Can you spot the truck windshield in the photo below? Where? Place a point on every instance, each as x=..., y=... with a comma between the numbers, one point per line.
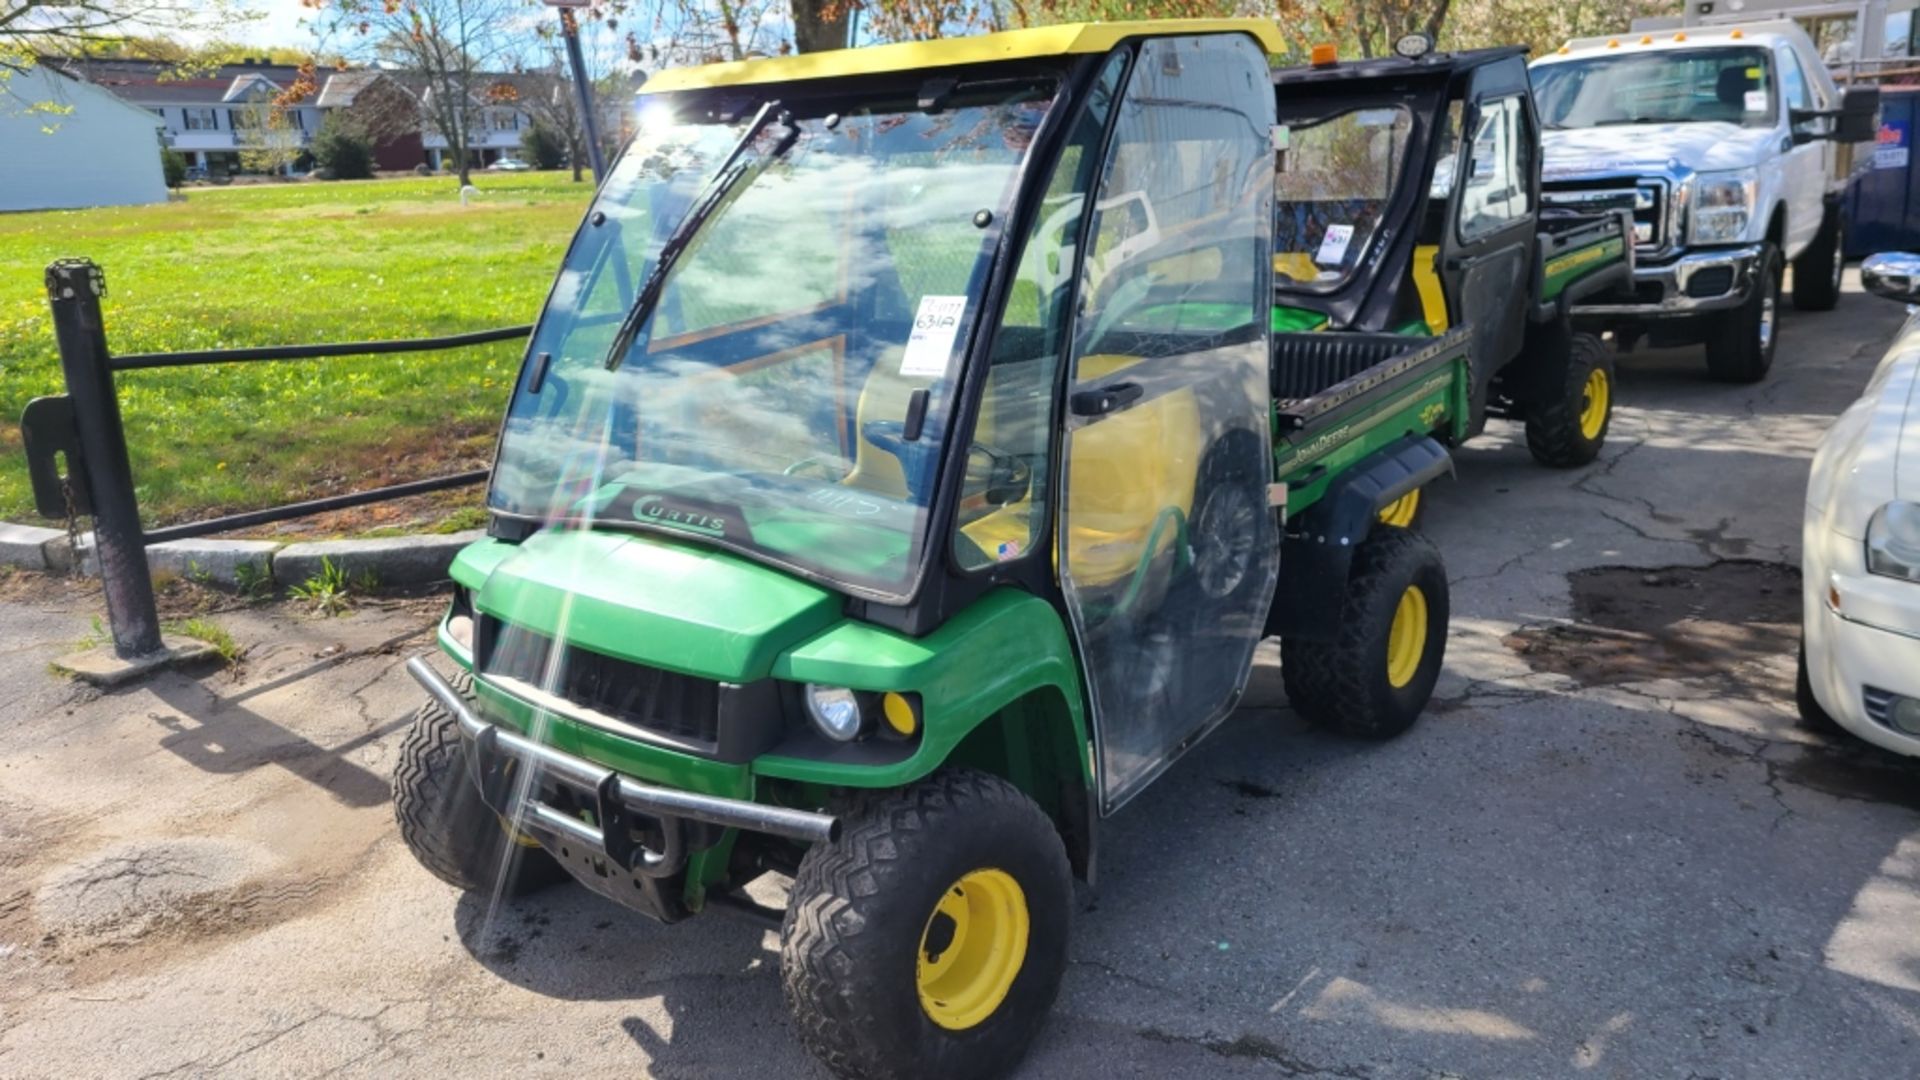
x=1336, y=175
x=789, y=393
x=1726, y=85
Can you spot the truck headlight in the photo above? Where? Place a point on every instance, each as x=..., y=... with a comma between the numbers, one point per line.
x=1893, y=541
x=1722, y=206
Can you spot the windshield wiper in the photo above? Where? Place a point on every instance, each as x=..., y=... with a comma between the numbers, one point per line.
x=724, y=181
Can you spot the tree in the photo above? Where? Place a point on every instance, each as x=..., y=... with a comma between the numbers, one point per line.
x=549, y=96
x=543, y=147
x=267, y=139
x=341, y=147
x=1542, y=26
x=446, y=46
x=173, y=167
x=30, y=29
x=819, y=25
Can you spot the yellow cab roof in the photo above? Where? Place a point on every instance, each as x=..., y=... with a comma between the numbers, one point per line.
x=1061, y=40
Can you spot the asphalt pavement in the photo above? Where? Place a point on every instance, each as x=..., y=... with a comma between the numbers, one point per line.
x=1643, y=867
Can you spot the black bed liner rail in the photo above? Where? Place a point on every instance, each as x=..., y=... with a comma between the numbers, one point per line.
x=1368, y=364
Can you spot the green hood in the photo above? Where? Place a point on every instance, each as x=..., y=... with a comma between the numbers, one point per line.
x=648, y=599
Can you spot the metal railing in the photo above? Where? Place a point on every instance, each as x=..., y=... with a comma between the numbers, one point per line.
x=84, y=428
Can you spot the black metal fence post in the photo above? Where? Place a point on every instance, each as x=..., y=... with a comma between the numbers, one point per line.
x=74, y=288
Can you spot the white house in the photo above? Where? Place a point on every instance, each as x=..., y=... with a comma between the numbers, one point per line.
x=66, y=144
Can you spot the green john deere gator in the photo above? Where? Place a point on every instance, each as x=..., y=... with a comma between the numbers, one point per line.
x=904, y=467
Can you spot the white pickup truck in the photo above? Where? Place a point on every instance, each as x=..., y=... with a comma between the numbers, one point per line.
x=1732, y=147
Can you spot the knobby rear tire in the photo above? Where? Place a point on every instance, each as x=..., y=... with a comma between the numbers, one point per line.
x=1343, y=684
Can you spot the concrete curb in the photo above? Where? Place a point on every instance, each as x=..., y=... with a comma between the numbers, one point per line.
x=399, y=560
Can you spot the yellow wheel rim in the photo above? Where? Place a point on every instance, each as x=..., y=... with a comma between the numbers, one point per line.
x=1407, y=637
x=971, y=949
x=1594, y=403
x=1399, y=513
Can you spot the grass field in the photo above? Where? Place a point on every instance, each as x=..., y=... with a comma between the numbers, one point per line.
x=286, y=264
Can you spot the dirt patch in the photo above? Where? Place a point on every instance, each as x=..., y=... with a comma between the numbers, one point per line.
x=1641, y=624
x=123, y=892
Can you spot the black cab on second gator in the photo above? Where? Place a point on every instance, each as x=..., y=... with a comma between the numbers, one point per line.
x=1408, y=201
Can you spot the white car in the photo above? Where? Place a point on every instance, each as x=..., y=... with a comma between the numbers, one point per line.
x=507, y=164
x=1860, y=559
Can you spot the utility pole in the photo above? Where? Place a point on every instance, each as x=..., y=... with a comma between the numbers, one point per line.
x=589, y=127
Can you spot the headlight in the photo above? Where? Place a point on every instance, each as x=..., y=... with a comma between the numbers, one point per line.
x=1893, y=541
x=844, y=715
x=1722, y=206
x=836, y=712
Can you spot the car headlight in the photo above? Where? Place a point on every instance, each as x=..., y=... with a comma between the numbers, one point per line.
x=1893, y=541
x=1722, y=206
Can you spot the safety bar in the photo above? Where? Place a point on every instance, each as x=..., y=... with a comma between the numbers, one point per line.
x=613, y=787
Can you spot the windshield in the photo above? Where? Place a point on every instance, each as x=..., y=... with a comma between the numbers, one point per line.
x=1336, y=175
x=1731, y=85
x=790, y=392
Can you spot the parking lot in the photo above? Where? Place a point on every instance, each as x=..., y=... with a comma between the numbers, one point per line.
x=1609, y=849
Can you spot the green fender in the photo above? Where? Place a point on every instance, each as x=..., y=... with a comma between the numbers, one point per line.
x=1007, y=647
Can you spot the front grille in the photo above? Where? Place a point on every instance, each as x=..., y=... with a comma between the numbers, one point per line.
x=680, y=707
x=1879, y=705
x=1646, y=199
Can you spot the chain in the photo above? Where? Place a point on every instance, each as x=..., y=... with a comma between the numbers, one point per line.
x=73, y=527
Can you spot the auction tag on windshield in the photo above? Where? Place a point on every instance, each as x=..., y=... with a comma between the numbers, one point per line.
x=930, y=345
x=1333, y=246
x=1756, y=101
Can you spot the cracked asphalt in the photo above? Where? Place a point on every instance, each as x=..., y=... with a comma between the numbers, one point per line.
x=1657, y=877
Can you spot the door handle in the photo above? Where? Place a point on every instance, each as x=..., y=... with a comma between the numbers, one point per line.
x=1104, y=400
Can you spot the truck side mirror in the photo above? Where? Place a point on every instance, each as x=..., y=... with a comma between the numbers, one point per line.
x=1894, y=275
x=1859, y=115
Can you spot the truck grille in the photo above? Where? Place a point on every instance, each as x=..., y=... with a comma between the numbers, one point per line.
x=1647, y=199
x=682, y=708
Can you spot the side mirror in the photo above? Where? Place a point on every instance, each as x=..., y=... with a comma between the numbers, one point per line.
x=1894, y=275
x=1859, y=115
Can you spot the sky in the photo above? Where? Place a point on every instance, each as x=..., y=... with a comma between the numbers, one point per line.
x=289, y=23
x=279, y=24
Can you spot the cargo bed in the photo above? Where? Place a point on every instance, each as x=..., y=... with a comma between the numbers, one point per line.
x=1339, y=396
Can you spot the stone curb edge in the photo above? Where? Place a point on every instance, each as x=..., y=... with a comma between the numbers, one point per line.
x=398, y=560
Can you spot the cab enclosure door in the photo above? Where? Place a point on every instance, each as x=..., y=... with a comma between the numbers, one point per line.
x=1167, y=548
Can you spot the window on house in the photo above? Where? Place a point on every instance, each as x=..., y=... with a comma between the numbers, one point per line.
x=246, y=120
x=202, y=120
x=506, y=121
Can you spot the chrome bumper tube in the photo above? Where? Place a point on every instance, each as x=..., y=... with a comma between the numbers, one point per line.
x=615, y=796
x=1673, y=279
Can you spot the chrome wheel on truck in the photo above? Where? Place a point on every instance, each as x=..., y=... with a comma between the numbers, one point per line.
x=1741, y=342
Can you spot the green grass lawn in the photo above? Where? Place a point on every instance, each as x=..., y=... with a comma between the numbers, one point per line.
x=287, y=264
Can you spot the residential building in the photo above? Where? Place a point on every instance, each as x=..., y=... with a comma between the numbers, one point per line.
x=89, y=149
x=213, y=117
